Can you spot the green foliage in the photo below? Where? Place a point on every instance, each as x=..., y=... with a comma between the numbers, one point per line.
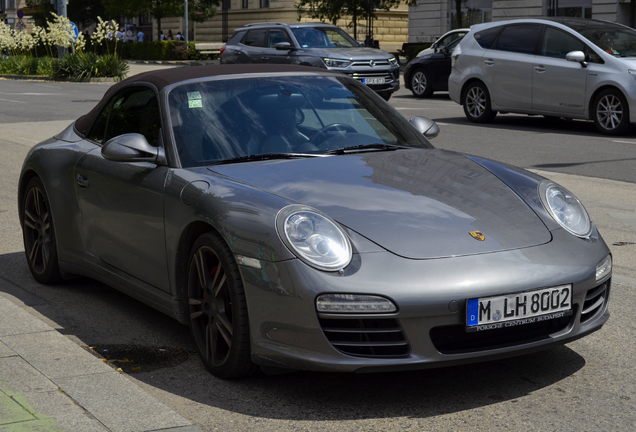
x=84, y=66
x=41, y=11
x=19, y=65
x=155, y=50
x=411, y=52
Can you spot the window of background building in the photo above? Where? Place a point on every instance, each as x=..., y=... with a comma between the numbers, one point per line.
x=264, y=3
x=245, y=4
x=570, y=8
x=473, y=12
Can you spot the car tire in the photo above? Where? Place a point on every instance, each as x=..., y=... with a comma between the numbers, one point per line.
x=476, y=103
x=38, y=233
x=421, y=84
x=611, y=113
x=217, y=309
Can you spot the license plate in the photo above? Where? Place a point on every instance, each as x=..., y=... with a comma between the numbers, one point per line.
x=488, y=313
x=378, y=80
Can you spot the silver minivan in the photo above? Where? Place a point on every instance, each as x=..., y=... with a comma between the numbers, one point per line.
x=556, y=67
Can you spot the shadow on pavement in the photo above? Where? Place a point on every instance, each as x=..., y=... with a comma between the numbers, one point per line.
x=537, y=124
x=102, y=317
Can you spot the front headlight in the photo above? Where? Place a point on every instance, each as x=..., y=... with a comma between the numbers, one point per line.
x=565, y=208
x=393, y=61
x=314, y=238
x=336, y=63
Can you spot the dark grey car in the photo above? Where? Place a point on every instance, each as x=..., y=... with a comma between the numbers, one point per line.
x=314, y=44
x=295, y=220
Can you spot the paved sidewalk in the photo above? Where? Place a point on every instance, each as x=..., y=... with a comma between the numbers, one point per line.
x=50, y=384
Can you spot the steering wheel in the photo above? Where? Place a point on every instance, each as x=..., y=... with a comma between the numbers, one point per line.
x=323, y=133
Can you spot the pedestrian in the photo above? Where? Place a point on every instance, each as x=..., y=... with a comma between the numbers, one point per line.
x=162, y=36
x=120, y=34
x=179, y=36
x=140, y=36
x=170, y=37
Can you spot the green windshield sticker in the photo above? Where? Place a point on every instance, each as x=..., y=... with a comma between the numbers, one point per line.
x=195, y=103
x=194, y=95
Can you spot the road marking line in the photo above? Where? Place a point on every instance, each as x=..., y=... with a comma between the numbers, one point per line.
x=27, y=139
x=14, y=101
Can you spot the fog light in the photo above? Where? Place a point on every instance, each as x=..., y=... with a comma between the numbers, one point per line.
x=353, y=303
x=604, y=268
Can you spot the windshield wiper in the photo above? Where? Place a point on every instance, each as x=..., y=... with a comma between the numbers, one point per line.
x=265, y=156
x=364, y=148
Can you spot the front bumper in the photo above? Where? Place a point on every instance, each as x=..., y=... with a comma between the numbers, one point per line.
x=287, y=332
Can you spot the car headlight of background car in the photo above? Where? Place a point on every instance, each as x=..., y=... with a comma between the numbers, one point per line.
x=314, y=238
x=336, y=63
x=393, y=61
x=565, y=208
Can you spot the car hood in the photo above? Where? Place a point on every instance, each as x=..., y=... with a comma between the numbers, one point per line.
x=416, y=203
x=352, y=53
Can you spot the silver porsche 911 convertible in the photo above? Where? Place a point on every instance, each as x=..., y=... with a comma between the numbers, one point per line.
x=296, y=221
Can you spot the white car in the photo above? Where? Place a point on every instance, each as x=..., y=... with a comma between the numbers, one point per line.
x=444, y=40
x=556, y=67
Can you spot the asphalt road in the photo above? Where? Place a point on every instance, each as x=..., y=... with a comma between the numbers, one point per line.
x=588, y=385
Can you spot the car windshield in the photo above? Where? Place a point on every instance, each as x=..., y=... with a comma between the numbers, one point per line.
x=324, y=37
x=613, y=39
x=300, y=116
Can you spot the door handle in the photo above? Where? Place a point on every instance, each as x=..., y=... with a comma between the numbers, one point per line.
x=82, y=181
x=539, y=68
x=489, y=62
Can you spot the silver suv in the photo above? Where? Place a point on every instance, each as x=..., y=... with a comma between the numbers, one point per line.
x=314, y=44
x=556, y=67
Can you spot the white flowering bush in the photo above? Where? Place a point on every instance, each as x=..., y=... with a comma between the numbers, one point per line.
x=7, y=38
x=104, y=33
x=78, y=65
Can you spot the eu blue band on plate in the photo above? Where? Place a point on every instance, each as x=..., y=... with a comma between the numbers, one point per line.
x=472, y=311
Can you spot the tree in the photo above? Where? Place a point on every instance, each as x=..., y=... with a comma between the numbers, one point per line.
x=198, y=11
x=333, y=10
x=40, y=11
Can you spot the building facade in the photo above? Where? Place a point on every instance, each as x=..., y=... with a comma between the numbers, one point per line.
x=390, y=28
x=429, y=19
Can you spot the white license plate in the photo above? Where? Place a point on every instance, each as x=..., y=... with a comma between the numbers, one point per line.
x=528, y=307
x=378, y=80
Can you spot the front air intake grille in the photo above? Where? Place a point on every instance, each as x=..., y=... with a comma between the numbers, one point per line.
x=366, y=337
x=595, y=299
x=454, y=339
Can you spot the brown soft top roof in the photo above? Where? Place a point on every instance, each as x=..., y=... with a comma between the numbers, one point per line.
x=165, y=77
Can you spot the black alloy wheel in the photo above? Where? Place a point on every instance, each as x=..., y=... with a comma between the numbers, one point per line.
x=611, y=112
x=476, y=103
x=218, y=310
x=420, y=84
x=39, y=234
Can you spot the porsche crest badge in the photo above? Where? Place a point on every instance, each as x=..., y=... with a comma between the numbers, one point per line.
x=477, y=235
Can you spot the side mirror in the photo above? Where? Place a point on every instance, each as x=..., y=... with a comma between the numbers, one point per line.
x=425, y=126
x=361, y=43
x=132, y=147
x=577, y=57
x=283, y=46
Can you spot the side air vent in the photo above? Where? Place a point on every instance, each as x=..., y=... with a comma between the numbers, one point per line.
x=366, y=337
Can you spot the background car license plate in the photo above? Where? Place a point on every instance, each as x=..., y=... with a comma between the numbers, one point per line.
x=378, y=80
x=519, y=306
